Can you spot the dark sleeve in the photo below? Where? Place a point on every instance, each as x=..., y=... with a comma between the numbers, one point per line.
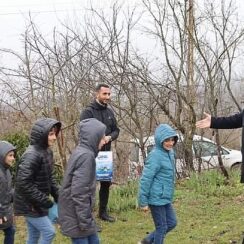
x=115, y=130
x=86, y=114
x=115, y=133
x=230, y=122
x=53, y=183
x=54, y=188
x=2, y=197
x=27, y=170
x=6, y=193
x=82, y=180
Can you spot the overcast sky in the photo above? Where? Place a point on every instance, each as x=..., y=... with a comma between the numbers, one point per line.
x=47, y=14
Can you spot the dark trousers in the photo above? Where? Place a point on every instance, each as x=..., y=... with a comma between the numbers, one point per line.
x=103, y=196
x=9, y=235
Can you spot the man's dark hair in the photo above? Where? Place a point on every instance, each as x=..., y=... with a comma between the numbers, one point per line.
x=99, y=86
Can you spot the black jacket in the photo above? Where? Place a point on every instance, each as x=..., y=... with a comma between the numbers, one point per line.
x=231, y=122
x=106, y=116
x=6, y=191
x=34, y=179
x=77, y=194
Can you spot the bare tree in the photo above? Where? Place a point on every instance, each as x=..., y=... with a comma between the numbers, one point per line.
x=56, y=76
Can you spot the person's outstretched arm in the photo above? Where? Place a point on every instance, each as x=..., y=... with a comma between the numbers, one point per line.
x=204, y=123
x=229, y=122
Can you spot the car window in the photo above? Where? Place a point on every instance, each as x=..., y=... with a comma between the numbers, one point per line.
x=205, y=149
x=149, y=148
x=134, y=152
x=179, y=150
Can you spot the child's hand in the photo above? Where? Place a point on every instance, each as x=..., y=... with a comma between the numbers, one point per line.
x=145, y=208
x=2, y=220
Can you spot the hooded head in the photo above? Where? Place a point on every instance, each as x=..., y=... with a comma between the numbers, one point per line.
x=91, y=133
x=40, y=130
x=5, y=148
x=163, y=132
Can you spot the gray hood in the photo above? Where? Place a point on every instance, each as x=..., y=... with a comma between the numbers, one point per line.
x=5, y=148
x=40, y=130
x=91, y=133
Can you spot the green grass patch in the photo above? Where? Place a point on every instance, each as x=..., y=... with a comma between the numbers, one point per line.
x=209, y=210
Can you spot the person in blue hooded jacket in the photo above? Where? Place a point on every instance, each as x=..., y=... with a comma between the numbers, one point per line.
x=156, y=188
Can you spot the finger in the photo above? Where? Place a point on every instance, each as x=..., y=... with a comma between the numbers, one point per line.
x=206, y=114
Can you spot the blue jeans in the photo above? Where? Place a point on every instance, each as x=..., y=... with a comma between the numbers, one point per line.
x=40, y=227
x=9, y=235
x=164, y=219
x=92, y=239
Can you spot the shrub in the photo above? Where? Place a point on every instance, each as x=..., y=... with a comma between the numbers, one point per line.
x=213, y=183
x=123, y=197
x=21, y=141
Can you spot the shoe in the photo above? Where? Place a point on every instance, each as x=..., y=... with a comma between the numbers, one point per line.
x=106, y=217
x=144, y=241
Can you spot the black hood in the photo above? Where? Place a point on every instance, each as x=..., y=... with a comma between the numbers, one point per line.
x=40, y=130
x=5, y=148
x=91, y=133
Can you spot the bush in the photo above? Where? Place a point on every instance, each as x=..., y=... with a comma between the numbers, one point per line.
x=21, y=141
x=123, y=197
x=213, y=183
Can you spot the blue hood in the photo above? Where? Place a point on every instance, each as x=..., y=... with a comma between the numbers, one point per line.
x=163, y=132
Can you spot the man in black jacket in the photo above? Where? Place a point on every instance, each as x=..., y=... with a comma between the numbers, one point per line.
x=99, y=109
x=230, y=122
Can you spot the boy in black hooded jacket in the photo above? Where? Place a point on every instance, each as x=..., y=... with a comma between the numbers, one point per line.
x=35, y=182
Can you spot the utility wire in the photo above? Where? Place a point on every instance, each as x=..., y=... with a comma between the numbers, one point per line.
x=38, y=12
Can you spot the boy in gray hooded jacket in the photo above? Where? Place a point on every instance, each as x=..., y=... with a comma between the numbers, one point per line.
x=7, y=157
x=77, y=194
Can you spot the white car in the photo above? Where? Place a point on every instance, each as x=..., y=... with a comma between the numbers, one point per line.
x=204, y=153
x=207, y=150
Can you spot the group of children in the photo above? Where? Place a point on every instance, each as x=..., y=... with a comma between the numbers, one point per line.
x=34, y=183
x=35, y=190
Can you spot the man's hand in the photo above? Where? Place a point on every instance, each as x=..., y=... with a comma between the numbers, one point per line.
x=204, y=123
x=108, y=139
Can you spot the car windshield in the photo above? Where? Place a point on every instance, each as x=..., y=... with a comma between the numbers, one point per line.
x=205, y=149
